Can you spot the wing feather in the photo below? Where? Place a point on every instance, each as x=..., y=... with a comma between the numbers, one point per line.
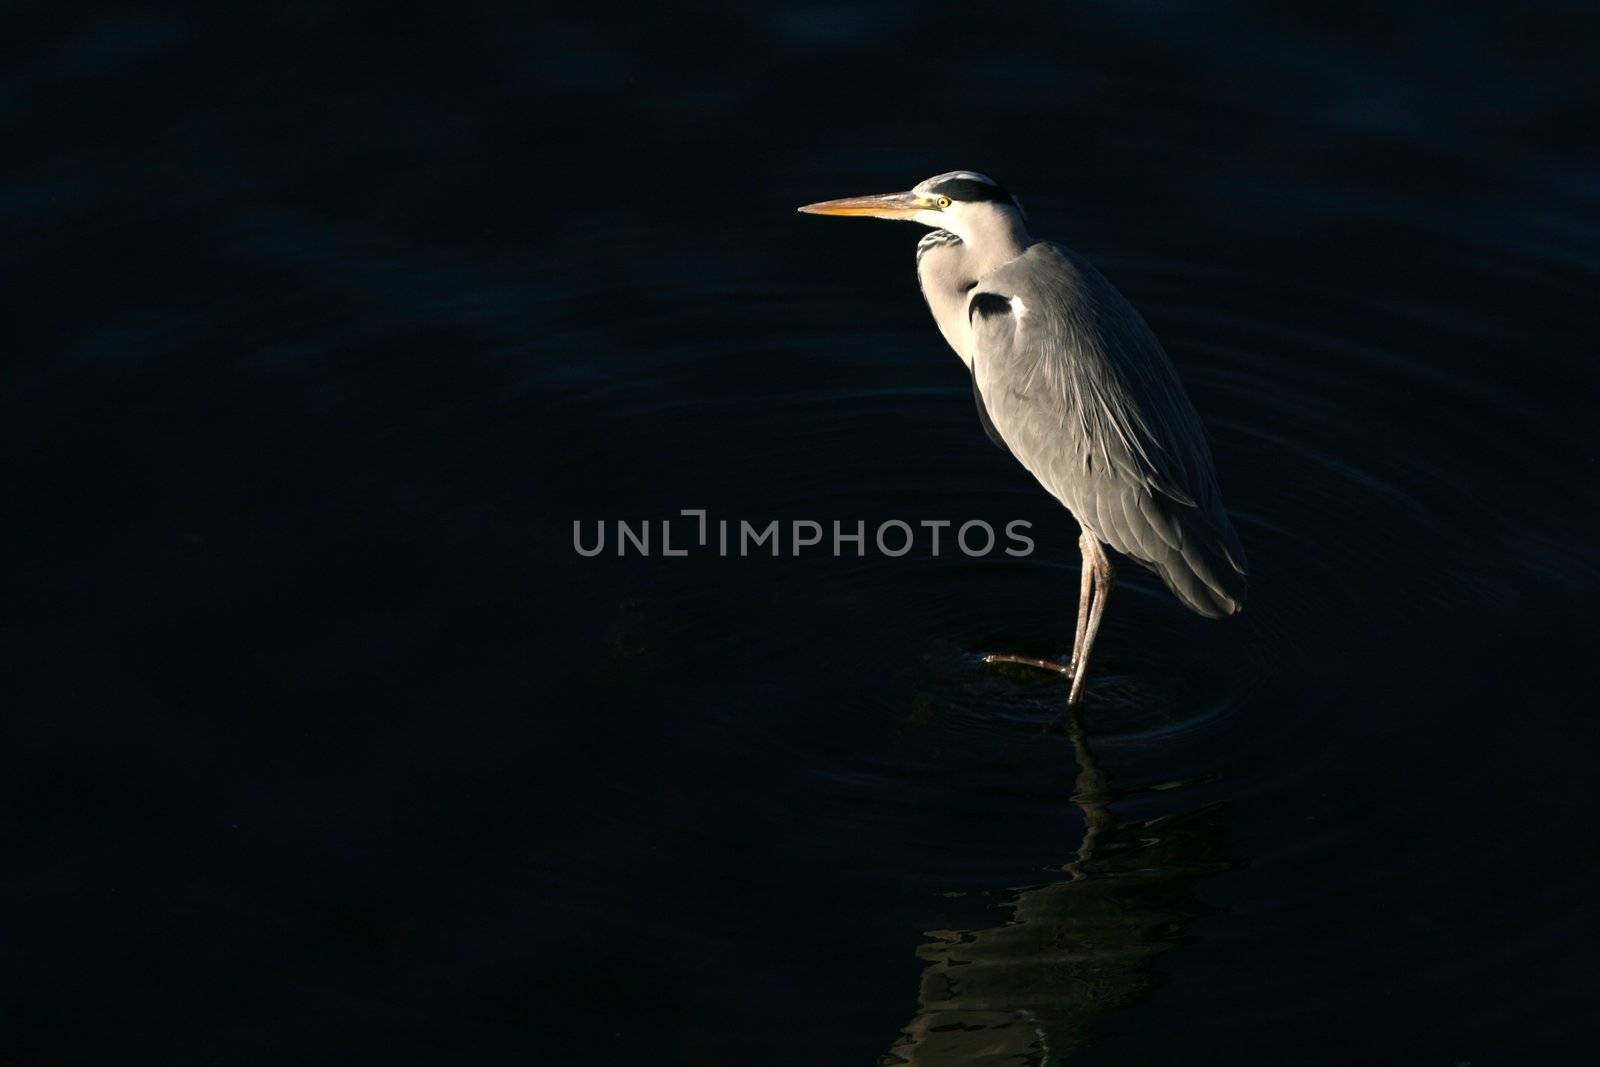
x=1085, y=397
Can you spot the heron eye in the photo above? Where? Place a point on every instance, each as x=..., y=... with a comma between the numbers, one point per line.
x=943, y=202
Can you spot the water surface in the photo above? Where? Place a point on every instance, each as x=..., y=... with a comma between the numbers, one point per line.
x=328, y=746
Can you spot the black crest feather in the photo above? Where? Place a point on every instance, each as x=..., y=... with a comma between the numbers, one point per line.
x=971, y=191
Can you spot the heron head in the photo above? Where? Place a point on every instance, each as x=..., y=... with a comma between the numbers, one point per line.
x=961, y=201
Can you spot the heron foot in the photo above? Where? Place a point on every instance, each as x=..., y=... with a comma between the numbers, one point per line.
x=1029, y=661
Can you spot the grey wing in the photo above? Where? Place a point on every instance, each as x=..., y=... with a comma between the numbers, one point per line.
x=1086, y=399
x=983, y=417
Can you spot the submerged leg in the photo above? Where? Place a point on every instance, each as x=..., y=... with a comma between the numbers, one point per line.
x=1085, y=587
x=1029, y=661
x=1104, y=578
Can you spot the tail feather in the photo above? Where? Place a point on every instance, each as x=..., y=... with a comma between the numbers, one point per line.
x=1207, y=570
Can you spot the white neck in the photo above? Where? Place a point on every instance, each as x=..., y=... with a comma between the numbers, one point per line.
x=992, y=233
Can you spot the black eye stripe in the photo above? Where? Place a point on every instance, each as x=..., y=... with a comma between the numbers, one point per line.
x=969, y=190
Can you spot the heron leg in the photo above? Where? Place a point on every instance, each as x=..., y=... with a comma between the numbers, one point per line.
x=1088, y=546
x=1029, y=661
x=1104, y=577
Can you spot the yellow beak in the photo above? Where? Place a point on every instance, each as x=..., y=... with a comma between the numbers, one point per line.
x=883, y=206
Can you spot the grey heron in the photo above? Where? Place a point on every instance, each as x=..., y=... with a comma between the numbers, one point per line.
x=1071, y=381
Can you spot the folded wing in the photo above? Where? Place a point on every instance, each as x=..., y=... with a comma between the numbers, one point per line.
x=1081, y=392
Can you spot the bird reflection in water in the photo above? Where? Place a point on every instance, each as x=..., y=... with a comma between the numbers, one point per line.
x=1030, y=991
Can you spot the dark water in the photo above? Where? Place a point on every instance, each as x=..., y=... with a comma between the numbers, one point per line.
x=326, y=747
